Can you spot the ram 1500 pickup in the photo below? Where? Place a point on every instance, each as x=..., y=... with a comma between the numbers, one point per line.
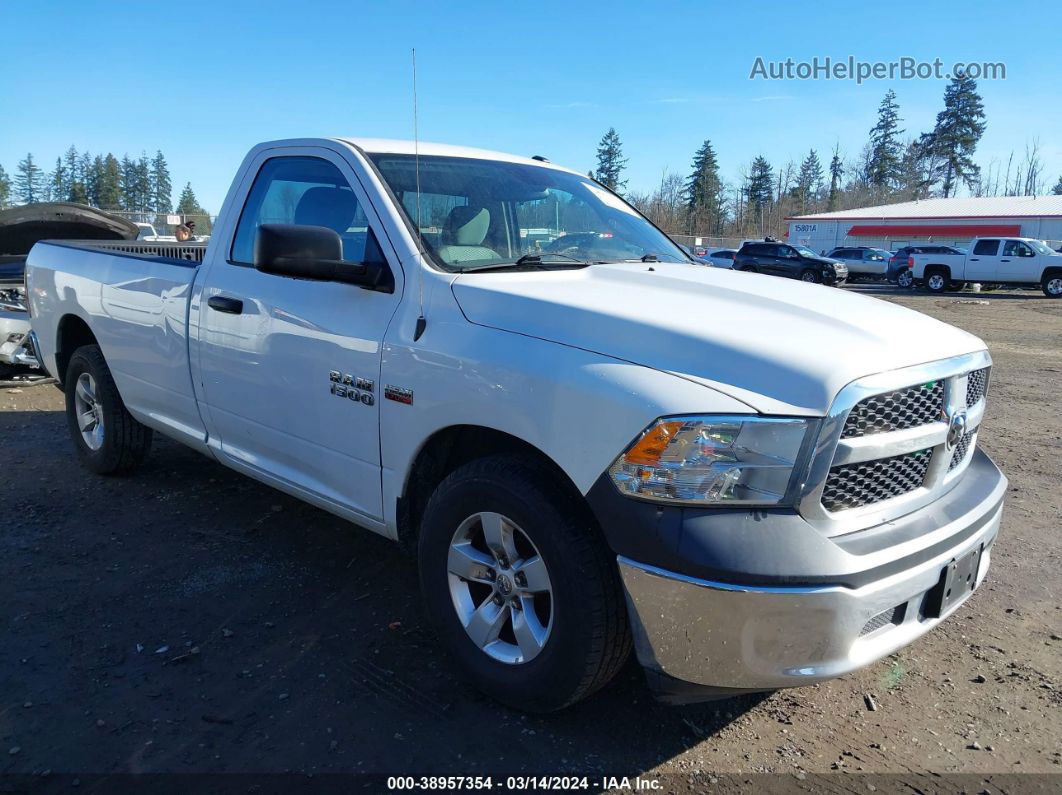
x=590, y=442
x=1017, y=261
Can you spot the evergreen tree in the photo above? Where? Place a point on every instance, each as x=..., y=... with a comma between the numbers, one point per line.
x=1057, y=190
x=836, y=174
x=73, y=171
x=5, y=189
x=188, y=205
x=127, y=183
x=761, y=184
x=58, y=184
x=161, y=186
x=704, y=191
x=142, y=183
x=883, y=170
x=109, y=184
x=93, y=171
x=29, y=181
x=610, y=161
x=958, y=129
x=809, y=180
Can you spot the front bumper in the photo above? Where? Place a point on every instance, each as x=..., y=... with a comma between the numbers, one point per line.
x=732, y=636
x=16, y=342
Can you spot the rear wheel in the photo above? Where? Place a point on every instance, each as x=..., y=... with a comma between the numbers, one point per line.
x=810, y=276
x=905, y=279
x=1052, y=285
x=107, y=438
x=748, y=269
x=519, y=585
x=937, y=281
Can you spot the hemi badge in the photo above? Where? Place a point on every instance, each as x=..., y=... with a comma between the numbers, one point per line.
x=398, y=394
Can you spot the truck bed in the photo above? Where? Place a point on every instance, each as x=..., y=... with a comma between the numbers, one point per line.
x=135, y=298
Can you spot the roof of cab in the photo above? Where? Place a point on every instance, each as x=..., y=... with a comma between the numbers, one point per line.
x=400, y=147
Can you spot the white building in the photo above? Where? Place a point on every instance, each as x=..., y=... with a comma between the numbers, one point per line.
x=952, y=222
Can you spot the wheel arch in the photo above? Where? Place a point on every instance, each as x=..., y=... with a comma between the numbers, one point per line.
x=72, y=333
x=451, y=447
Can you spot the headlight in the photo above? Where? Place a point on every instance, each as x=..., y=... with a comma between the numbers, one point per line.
x=712, y=460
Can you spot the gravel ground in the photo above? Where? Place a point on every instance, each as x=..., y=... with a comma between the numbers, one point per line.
x=189, y=619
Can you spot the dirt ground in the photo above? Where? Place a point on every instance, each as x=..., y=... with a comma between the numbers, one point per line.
x=190, y=619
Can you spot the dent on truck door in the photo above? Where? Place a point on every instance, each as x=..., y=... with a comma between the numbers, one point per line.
x=291, y=367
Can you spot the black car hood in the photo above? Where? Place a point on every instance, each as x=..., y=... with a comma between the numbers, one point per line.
x=21, y=227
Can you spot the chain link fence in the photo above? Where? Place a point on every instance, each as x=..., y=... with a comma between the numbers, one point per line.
x=705, y=242
x=165, y=223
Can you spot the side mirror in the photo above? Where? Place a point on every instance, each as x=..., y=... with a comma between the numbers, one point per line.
x=310, y=252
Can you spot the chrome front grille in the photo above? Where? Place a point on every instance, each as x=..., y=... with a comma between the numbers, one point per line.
x=976, y=386
x=883, y=449
x=856, y=485
x=904, y=408
x=958, y=455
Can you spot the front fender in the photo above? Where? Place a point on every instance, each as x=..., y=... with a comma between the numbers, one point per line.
x=580, y=409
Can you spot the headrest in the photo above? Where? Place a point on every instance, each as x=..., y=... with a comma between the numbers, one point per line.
x=323, y=206
x=467, y=226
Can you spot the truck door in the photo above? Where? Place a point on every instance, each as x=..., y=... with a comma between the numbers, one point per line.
x=290, y=368
x=1018, y=263
x=982, y=263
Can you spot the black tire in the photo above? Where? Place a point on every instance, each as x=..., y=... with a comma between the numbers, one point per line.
x=1052, y=284
x=905, y=279
x=936, y=280
x=125, y=442
x=748, y=269
x=810, y=276
x=590, y=637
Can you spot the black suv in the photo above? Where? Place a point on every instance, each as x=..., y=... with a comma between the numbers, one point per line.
x=795, y=262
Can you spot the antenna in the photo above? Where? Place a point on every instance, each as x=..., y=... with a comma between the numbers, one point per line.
x=421, y=321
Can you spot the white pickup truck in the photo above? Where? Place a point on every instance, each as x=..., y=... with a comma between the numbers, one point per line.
x=1011, y=261
x=589, y=441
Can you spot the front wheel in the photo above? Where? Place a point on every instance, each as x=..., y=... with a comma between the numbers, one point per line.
x=1052, y=285
x=905, y=279
x=810, y=276
x=520, y=586
x=107, y=438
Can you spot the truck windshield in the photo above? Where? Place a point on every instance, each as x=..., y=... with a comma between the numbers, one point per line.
x=472, y=213
x=1041, y=248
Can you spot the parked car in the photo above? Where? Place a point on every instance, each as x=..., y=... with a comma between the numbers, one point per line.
x=794, y=262
x=765, y=483
x=862, y=260
x=699, y=259
x=899, y=273
x=722, y=257
x=1014, y=261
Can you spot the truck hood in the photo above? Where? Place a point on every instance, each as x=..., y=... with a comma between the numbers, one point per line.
x=778, y=345
x=21, y=227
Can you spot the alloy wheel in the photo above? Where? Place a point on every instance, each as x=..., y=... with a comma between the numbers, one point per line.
x=1054, y=285
x=89, y=411
x=500, y=588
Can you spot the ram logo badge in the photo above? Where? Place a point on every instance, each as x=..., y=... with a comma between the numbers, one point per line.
x=344, y=385
x=398, y=394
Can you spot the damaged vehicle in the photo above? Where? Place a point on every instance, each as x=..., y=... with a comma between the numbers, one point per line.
x=20, y=228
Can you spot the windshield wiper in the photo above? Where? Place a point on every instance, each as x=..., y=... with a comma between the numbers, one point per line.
x=527, y=260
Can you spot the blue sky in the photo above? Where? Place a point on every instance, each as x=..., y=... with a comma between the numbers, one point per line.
x=205, y=81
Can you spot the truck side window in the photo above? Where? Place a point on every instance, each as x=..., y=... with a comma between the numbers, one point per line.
x=1015, y=248
x=986, y=248
x=308, y=191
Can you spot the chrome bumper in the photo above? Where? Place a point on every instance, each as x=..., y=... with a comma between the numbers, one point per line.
x=724, y=635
